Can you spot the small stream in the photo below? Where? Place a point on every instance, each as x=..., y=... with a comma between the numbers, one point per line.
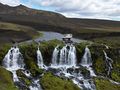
x=51, y=36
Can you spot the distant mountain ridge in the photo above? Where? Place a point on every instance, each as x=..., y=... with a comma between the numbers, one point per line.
x=23, y=10
x=51, y=21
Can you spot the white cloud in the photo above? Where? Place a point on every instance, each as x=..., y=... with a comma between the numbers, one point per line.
x=11, y=2
x=107, y=9
x=102, y=9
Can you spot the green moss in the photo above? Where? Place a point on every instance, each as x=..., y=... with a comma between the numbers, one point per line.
x=103, y=84
x=99, y=66
x=51, y=82
x=98, y=59
x=23, y=78
x=113, y=53
x=40, y=34
x=110, y=41
x=30, y=58
x=3, y=50
x=30, y=55
x=6, y=82
x=80, y=50
x=115, y=75
x=84, y=72
x=47, y=48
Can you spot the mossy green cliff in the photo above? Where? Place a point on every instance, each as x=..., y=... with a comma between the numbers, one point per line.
x=51, y=82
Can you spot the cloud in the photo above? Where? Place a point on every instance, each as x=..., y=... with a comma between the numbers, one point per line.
x=11, y=2
x=107, y=9
x=101, y=9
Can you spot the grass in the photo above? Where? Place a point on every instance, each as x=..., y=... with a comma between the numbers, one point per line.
x=40, y=34
x=110, y=41
x=3, y=51
x=104, y=84
x=14, y=32
x=6, y=82
x=51, y=82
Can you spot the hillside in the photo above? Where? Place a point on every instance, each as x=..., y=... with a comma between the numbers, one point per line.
x=91, y=29
x=15, y=33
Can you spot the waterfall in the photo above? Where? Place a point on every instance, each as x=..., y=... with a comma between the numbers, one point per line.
x=66, y=57
x=77, y=78
x=109, y=62
x=55, y=56
x=13, y=61
x=87, y=61
x=35, y=85
x=72, y=56
x=64, y=61
x=40, y=59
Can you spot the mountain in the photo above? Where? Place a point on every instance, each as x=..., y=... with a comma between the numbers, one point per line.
x=51, y=21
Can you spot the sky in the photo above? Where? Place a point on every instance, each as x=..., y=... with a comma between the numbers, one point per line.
x=94, y=9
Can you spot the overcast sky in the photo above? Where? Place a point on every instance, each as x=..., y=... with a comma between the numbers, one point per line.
x=99, y=9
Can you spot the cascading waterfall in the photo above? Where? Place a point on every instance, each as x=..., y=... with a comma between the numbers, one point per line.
x=66, y=57
x=35, y=85
x=72, y=56
x=109, y=62
x=87, y=61
x=40, y=59
x=55, y=56
x=13, y=61
x=35, y=81
x=63, y=59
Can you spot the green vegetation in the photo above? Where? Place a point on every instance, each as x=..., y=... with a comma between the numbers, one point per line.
x=51, y=82
x=3, y=50
x=23, y=78
x=47, y=48
x=30, y=58
x=85, y=72
x=16, y=33
x=110, y=41
x=30, y=55
x=40, y=34
x=99, y=66
x=114, y=54
x=6, y=82
x=104, y=84
x=80, y=50
x=98, y=59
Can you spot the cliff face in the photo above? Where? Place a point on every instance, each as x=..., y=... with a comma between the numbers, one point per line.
x=100, y=66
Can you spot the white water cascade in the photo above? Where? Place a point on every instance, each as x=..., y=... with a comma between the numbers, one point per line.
x=66, y=57
x=35, y=85
x=13, y=61
x=40, y=59
x=64, y=61
x=55, y=56
x=109, y=62
x=87, y=61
